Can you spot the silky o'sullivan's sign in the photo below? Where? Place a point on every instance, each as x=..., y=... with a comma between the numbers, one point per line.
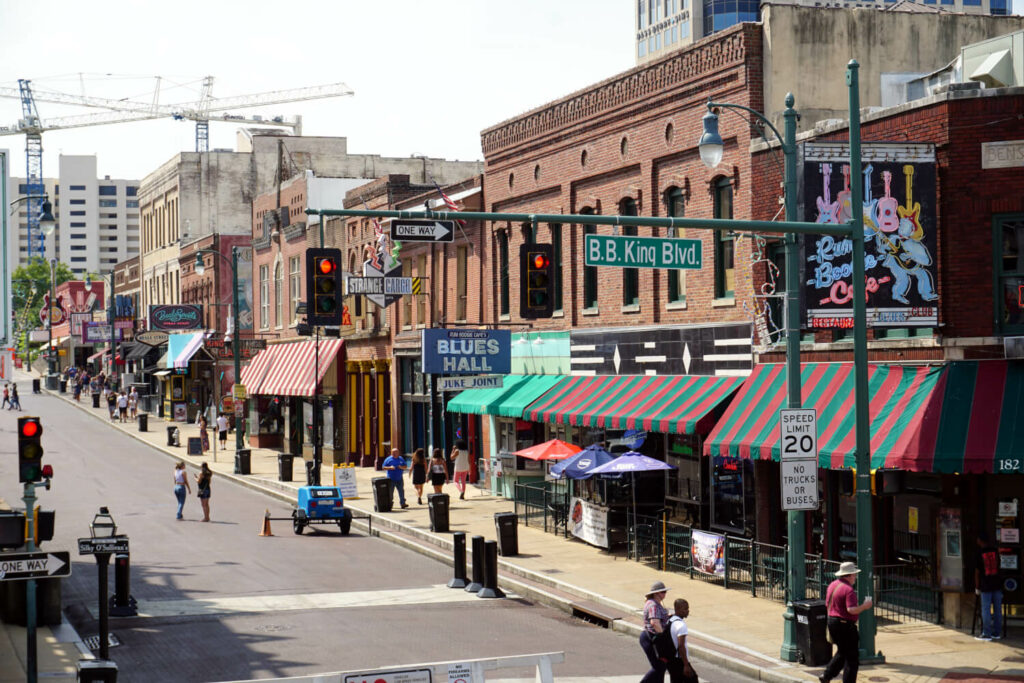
x=176, y=317
x=466, y=352
x=625, y=251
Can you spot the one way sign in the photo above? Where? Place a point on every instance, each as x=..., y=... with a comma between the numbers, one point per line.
x=405, y=230
x=33, y=565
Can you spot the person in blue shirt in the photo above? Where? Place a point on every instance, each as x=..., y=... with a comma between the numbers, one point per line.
x=395, y=467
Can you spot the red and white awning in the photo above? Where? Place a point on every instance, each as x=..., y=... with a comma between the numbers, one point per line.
x=292, y=372
x=256, y=370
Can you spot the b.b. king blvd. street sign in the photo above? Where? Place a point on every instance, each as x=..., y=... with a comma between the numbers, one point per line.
x=625, y=251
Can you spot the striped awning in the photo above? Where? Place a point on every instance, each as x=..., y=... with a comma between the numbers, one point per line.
x=508, y=400
x=293, y=368
x=104, y=351
x=899, y=399
x=256, y=370
x=669, y=404
x=181, y=348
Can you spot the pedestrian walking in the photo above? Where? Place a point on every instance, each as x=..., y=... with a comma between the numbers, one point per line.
x=655, y=622
x=203, y=489
x=680, y=670
x=988, y=589
x=122, y=406
x=843, y=611
x=204, y=436
x=7, y=398
x=181, y=487
x=222, y=429
x=78, y=388
x=111, y=403
x=15, y=399
x=419, y=473
x=460, y=457
x=133, y=404
x=395, y=466
x=438, y=471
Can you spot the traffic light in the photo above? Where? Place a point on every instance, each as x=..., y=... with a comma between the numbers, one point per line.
x=30, y=449
x=536, y=281
x=323, y=286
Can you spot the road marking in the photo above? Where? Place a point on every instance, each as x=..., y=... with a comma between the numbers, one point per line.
x=301, y=601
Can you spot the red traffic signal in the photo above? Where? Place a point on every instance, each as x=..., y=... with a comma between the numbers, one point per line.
x=540, y=261
x=30, y=428
x=30, y=449
x=536, y=281
x=326, y=266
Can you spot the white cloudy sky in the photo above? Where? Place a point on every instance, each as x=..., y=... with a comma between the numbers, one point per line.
x=428, y=75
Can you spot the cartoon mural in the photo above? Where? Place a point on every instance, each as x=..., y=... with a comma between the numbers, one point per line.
x=900, y=240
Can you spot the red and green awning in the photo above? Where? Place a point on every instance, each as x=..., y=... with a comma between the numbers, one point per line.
x=962, y=416
x=669, y=404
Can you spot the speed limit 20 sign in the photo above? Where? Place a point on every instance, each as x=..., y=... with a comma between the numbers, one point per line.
x=799, y=433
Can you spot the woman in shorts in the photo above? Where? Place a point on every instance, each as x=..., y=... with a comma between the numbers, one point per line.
x=438, y=471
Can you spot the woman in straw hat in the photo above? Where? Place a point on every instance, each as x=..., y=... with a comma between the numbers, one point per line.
x=655, y=620
x=841, y=599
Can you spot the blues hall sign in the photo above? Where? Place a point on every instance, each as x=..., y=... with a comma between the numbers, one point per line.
x=466, y=352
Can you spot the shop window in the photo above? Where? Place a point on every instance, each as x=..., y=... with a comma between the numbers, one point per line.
x=725, y=267
x=684, y=482
x=675, y=207
x=732, y=495
x=264, y=297
x=1008, y=261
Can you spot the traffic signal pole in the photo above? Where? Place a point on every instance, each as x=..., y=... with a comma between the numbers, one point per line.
x=31, y=662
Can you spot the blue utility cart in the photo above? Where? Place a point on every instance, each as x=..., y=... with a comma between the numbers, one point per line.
x=321, y=505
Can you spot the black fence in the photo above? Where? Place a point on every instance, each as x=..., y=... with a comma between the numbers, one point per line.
x=543, y=504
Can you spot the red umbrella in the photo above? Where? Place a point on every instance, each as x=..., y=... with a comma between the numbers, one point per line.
x=556, y=449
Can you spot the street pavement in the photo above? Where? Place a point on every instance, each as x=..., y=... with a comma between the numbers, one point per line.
x=728, y=627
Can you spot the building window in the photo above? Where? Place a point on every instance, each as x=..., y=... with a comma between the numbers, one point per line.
x=107, y=203
x=1008, y=245
x=725, y=267
x=421, y=301
x=503, y=296
x=131, y=191
x=77, y=225
x=264, y=297
x=131, y=203
x=108, y=190
x=461, y=257
x=76, y=201
x=77, y=213
x=589, y=272
x=295, y=286
x=675, y=207
x=77, y=188
x=556, y=248
x=278, y=293
x=630, y=276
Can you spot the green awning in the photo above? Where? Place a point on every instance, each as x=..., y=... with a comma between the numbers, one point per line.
x=510, y=400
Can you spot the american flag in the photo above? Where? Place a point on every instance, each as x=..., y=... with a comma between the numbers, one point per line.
x=448, y=201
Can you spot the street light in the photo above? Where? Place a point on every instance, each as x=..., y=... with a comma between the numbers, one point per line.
x=47, y=224
x=200, y=268
x=103, y=526
x=110, y=319
x=51, y=377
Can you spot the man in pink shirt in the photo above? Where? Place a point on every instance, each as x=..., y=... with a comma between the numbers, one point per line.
x=841, y=599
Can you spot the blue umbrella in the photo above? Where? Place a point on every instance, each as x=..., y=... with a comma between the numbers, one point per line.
x=631, y=462
x=579, y=466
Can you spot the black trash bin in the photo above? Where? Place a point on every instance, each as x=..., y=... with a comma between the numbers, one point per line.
x=63, y=386
x=95, y=400
x=243, y=461
x=285, y=463
x=438, y=504
x=97, y=671
x=811, y=624
x=36, y=386
x=506, y=524
x=143, y=422
x=172, y=434
x=381, y=494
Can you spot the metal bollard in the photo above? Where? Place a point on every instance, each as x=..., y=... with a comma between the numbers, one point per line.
x=478, y=565
x=122, y=604
x=490, y=588
x=458, y=560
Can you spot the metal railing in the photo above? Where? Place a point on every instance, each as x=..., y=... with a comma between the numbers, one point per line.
x=543, y=504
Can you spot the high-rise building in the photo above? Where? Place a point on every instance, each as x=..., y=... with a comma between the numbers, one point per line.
x=666, y=25
x=97, y=219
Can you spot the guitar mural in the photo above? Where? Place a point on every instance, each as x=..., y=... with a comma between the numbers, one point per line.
x=899, y=234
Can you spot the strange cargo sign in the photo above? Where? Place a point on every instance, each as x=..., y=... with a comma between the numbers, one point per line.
x=466, y=352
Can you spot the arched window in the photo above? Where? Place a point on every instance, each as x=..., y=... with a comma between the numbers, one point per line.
x=278, y=291
x=725, y=265
x=675, y=207
x=589, y=272
x=630, y=276
x=503, y=296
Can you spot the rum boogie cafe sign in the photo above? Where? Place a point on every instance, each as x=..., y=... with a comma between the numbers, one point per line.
x=466, y=351
x=176, y=317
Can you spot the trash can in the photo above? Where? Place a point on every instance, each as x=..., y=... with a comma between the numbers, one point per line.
x=143, y=422
x=285, y=463
x=36, y=386
x=95, y=400
x=172, y=434
x=506, y=525
x=437, y=504
x=381, y=494
x=63, y=386
x=97, y=671
x=243, y=461
x=811, y=623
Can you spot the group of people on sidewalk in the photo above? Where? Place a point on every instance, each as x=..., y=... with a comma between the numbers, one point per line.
x=222, y=431
x=11, y=398
x=437, y=469
x=183, y=489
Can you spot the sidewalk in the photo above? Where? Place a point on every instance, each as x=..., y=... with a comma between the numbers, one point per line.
x=727, y=626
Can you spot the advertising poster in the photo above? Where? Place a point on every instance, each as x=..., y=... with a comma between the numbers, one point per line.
x=245, y=316
x=345, y=480
x=180, y=412
x=899, y=209
x=589, y=522
x=951, y=562
x=708, y=552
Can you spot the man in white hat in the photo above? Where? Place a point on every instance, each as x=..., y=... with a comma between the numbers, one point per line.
x=841, y=599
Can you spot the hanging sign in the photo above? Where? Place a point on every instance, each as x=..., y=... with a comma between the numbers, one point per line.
x=174, y=317
x=466, y=352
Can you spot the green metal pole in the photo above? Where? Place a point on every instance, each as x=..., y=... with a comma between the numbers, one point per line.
x=865, y=527
x=31, y=661
x=236, y=332
x=796, y=577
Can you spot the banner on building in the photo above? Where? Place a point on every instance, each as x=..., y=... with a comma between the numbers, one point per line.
x=899, y=209
x=100, y=333
x=176, y=317
x=589, y=522
x=708, y=552
x=466, y=352
x=77, y=320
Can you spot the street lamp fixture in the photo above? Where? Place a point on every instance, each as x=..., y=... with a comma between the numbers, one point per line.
x=47, y=223
x=103, y=525
x=200, y=265
x=710, y=145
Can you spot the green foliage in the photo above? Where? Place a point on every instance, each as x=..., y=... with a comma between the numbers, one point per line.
x=37, y=274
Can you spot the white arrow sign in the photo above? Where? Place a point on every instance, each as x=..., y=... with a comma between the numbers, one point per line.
x=33, y=565
x=422, y=231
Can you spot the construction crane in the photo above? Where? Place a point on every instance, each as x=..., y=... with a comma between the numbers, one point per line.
x=126, y=110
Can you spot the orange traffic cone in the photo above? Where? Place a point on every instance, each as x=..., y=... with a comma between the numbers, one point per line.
x=266, y=525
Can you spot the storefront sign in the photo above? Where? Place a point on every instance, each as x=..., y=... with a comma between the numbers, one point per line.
x=98, y=333
x=1002, y=154
x=466, y=352
x=708, y=552
x=152, y=337
x=589, y=522
x=224, y=350
x=176, y=317
x=77, y=320
x=463, y=383
x=799, y=484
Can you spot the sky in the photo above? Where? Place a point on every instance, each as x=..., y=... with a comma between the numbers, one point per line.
x=428, y=75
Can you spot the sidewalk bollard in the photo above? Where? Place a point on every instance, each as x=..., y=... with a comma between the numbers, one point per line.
x=122, y=604
x=490, y=588
x=478, y=566
x=458, y=560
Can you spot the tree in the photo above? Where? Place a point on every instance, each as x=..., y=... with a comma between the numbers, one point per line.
x=35, y=274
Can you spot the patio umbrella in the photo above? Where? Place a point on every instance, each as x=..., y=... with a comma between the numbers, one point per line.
x=556, y=449
x=631, y=463
x=581, y=465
